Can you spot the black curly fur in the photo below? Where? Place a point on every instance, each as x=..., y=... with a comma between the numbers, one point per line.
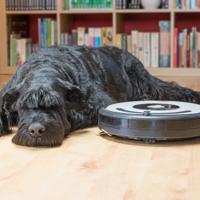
x=64, y=87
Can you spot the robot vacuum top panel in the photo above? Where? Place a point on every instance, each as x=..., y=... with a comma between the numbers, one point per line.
x=154, y=120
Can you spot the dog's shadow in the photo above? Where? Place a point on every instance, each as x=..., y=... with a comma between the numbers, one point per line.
x=166, y=143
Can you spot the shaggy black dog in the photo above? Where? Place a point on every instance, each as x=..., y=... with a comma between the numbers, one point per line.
x=61, y=89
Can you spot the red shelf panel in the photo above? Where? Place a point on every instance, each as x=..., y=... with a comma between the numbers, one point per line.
x=91, y=20
x=33, y=25
x=187, y=20
x=146, y=22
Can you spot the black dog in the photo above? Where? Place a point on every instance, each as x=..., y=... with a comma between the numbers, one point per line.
x=61, y=89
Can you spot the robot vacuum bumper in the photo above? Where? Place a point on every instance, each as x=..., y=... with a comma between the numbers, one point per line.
x=151, y=121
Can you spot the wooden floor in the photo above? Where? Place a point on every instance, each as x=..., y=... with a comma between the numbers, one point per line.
x=92, y=167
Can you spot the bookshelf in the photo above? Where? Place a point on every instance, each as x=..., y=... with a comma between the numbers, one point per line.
x=122, y=20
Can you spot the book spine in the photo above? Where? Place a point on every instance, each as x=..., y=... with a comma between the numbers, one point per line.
x=175, y=64
x=87, y=39
x=62, y=38
x=36, y=4
x=129, y=43
x=66, y=4
x=155, y=49
x=81, y=34
x=13, y=53
x=194, y=49
x=97, y=37
x=39, y=31
x=91, y=36
x=52, y=24
x=118, y=40
x=198, y=49
x=148, y=50
x=140, y=47
x=134, y=36
x=164, y=43
x=124, y=42
x=184, y=56
x=74, y=37
x=188, y=51
x=191, y=36
x=144, y=50
x=181, y=50
x=19, y=52
x=49, y=32
x=109, y=36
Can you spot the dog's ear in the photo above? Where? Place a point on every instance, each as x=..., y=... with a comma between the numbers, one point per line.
x=71, y=92
x=10, y=97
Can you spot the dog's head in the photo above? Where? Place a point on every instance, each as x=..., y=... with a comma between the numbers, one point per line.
x=43, y=114
x=42, y=118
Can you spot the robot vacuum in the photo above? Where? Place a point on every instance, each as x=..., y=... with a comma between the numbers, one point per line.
x=151, y=121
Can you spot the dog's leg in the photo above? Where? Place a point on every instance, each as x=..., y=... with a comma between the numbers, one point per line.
x=4, y=127
x=148, y=87
x=3, y=124
x=8, y=118
x=8, y=115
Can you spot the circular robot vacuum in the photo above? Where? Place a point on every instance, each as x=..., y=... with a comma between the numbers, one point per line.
x=151, y=121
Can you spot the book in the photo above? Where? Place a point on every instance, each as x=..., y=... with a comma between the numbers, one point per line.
x=198, y=50
x=13, y=49
x=97, y=37
x=91, y=4
x=164, y=43
x=94, y=37
x=20, y=49
x=187, y=48
x=66, y=5
x=175, y=62
x=81, y=35
x=32, y=4
x=118, y=40
x=134, y=41
x=47, y=32
x=91, y=36
x=124, y=41
x=187, y=4
x=128, y=4
x=143, y=45
x=154, y=49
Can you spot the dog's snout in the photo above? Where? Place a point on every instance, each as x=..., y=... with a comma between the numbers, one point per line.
x=36, y=129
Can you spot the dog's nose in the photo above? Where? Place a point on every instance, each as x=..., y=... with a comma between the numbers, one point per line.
x=36, y=129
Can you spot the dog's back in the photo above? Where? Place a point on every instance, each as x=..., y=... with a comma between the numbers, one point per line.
x=83, y=66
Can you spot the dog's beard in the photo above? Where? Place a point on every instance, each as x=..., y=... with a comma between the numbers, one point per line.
x=53, y=136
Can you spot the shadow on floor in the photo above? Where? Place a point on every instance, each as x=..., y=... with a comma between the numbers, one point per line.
x=168, y=143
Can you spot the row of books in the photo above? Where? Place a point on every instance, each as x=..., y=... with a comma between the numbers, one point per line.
x=187, y=4
x=66, y=4
x=21, y=46
x=136, y=4
x=94, y=37
x=152, y=49
x=20, y=49
x=124, y=4
x=31, y=4
x=47, y=32
x=91, y=3
x=145, y=46
x=187, y=48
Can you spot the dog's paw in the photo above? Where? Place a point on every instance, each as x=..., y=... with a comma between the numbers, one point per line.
x=2, y=132
x=4, y=129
